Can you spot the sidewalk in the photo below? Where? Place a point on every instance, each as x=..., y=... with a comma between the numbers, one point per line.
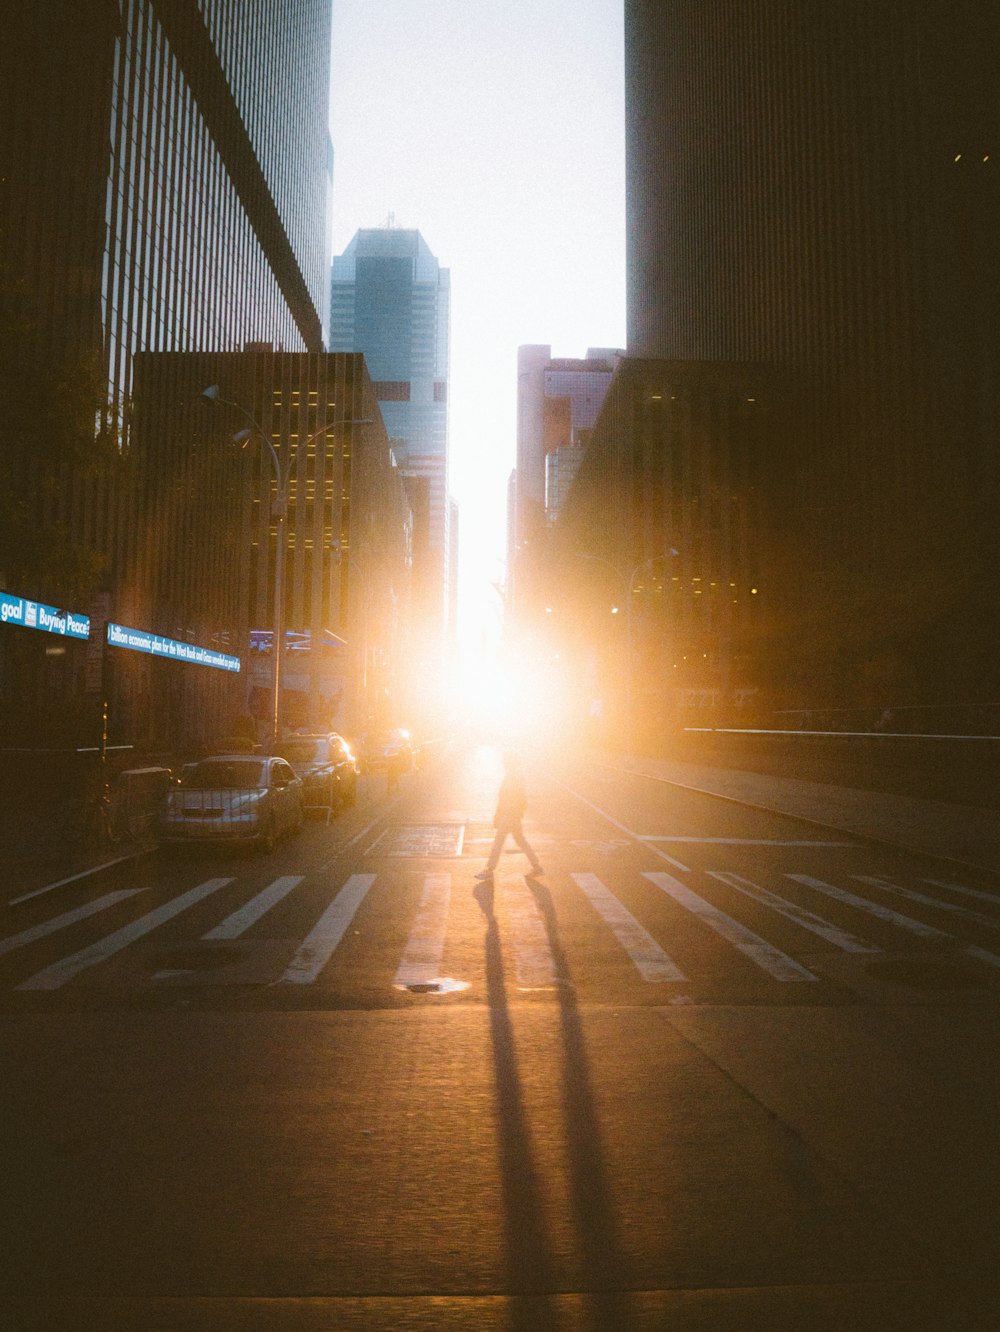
x=959, y=833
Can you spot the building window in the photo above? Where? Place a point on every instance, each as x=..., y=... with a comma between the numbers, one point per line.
x=392, y=390
x=440, y=390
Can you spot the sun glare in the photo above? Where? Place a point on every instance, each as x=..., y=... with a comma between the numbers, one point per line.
x=508, y=696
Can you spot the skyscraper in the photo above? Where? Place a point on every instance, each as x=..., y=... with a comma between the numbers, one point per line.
x=390, y=300
x=558, y=402
x=155, y=195
x=814, y=187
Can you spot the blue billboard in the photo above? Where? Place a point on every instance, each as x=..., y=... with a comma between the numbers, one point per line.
x=140, y=640
x=35, y=615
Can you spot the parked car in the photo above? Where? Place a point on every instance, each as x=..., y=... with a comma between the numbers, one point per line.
x=387, y=751
x=327, y=767
x=233, y=798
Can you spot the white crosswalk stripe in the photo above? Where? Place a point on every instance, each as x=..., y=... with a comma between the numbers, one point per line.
x=792, y=911
x=65, y=920
x=534, y=965
x=924, y=899
x=894, y=917
x=241, y=920
x=651, y=962
x=55, y=976
x=320, y=944
x=421, y=961
x=876, y=909
x=963, y=891
x=758, y=950
x=529, y=923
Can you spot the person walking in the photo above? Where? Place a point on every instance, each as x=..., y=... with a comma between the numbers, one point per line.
x=511, y=804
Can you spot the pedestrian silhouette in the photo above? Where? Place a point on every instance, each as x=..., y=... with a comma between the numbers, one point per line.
x=511, y=804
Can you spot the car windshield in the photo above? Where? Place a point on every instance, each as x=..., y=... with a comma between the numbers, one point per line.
x=303, y=751
x=227, y=774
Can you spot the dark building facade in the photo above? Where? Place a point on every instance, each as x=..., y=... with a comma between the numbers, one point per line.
x=558, y=401
x=209, y=505
x=813, y=187
x=659, y=584
x=155, y=197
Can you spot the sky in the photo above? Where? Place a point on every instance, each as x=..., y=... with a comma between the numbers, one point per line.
x=496, y=129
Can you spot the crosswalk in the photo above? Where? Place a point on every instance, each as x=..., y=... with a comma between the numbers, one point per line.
x=710, y=922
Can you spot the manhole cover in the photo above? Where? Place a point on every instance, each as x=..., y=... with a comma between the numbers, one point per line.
x=440, y=985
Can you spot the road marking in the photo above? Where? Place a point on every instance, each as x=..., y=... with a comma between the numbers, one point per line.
x=735, y=841
x=73, y=878
x=421, y=961
x=64, y=921
x=420, y=841
x=849, y=943
x=534, y=966
x=873, y=908
x=894, y=918
x=622, y=828
x=233, y=926
x=965, y=892
x=318, y=946
x=55, y=976
x=648, y=957
x=982, y=954
x=758, y=950
x=909, y=894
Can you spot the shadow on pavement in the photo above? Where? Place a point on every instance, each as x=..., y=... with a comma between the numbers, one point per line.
x=529, y=1264
x=589, y=1184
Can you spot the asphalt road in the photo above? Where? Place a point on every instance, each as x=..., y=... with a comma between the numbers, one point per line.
x=714, y=1069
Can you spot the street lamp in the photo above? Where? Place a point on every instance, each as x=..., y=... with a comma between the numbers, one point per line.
x=279, y=511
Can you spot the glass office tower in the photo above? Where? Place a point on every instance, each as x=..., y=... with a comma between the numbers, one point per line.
x=164, y=170
x=390, y=300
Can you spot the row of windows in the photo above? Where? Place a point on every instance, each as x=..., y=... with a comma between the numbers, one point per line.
x=263, y=48
x=183, y=268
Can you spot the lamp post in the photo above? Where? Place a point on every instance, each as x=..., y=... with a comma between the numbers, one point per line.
x=279, y=510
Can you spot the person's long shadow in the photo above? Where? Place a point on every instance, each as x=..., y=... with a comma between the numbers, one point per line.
x=529, y=1264
x=590, y=1187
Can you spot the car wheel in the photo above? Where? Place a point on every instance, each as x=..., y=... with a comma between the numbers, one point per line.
x=351, y=792
x=268, y=838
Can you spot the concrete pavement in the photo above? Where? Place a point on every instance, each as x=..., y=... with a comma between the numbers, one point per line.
x=960, y=833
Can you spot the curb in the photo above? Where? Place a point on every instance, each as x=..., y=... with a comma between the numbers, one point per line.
x=79, y=875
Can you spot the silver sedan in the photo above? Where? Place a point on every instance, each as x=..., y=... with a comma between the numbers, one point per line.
x=233, y=798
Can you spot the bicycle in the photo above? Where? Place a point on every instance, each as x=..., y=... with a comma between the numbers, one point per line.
x=97, y=825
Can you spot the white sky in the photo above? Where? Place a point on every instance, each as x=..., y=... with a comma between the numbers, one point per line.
x=496, y=129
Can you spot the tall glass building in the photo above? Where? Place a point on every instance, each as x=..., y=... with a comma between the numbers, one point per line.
x=390, y=300
x=157, y=194
x=164, y=172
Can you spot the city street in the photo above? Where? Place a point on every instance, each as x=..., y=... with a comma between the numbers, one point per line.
x=714, y=1068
